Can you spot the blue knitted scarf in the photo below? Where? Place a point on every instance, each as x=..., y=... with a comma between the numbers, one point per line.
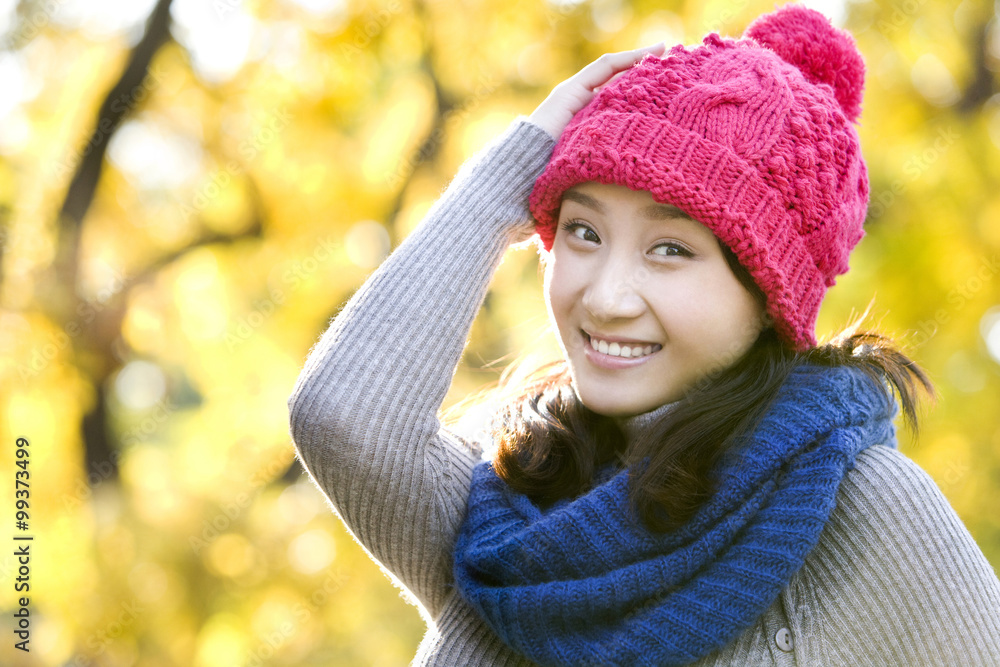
x=582, y=582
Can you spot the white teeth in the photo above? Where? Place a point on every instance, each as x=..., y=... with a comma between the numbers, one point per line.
x=618, y=350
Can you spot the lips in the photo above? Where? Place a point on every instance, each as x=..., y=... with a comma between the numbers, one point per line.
x=614, y=352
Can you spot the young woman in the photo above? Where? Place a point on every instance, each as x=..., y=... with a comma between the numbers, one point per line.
x=697, y=481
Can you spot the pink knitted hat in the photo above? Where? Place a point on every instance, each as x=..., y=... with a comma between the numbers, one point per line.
x=751, y=137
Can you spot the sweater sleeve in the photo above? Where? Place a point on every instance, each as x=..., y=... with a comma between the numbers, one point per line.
x=897, y=578
x=363, y=413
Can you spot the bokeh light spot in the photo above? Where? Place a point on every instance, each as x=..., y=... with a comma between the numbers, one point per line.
x=311, y=551
x=989, y=327
x=367, y=244
x=140, y=385
x=230, y=555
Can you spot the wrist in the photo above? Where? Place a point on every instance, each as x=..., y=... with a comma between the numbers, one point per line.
x=540, y=120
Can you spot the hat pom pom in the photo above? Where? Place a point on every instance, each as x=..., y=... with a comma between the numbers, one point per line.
x=805, y=38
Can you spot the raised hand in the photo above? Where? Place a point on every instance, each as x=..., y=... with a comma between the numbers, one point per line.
x=568, y=97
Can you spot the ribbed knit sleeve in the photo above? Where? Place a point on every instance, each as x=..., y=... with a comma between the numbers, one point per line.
x=363, y=413
x=897, y=578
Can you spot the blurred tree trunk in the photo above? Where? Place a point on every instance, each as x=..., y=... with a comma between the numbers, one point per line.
x=99, y=348
x=982, y=86
x=94, y=347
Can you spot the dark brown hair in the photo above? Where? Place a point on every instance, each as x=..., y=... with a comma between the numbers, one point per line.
x=548, y=444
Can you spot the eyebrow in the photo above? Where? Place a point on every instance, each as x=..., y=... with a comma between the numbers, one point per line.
x=651, y=212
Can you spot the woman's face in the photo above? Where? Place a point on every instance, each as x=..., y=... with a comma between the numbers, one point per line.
x=643, y=299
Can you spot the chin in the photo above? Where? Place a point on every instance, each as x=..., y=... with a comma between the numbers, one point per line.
x=600, y=402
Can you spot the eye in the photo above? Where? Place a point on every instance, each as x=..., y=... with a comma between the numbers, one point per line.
x=581, y=231
x=670, y=249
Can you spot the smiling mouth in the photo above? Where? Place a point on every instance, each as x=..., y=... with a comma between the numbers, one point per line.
x=624, y=349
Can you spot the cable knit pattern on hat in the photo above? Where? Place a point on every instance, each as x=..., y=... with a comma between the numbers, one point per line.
x=752, y=137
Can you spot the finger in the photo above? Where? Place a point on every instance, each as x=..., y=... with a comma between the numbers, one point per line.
x=602, y=70
x=608, y=82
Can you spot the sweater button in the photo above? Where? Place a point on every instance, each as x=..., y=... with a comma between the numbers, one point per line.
x=783, y=638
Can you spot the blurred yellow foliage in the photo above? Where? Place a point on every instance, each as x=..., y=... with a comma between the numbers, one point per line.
x=274, y=154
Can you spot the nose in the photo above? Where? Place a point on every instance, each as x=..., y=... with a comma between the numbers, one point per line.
x=613, y=292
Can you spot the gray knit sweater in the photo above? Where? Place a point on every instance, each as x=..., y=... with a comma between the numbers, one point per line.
x=896, y=578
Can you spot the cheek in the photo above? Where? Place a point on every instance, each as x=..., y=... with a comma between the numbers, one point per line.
x=710, y=311
x=547, y=283
x=739, y=321
x=746, y=315
x=551, y=288
x=561, y=291
x=558, y=276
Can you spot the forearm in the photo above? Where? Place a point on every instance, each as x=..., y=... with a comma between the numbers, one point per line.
x=364, y=410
